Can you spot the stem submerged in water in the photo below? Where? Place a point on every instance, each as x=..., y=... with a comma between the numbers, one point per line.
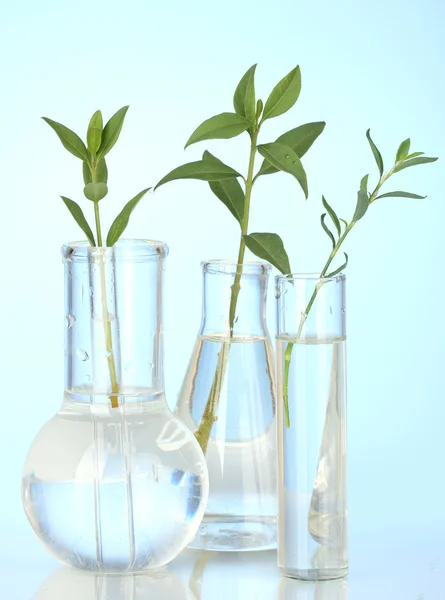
x=209, y=416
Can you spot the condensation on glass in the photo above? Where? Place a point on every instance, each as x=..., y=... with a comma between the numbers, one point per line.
x=312, y=478
x=114, y=482
x=241, y=449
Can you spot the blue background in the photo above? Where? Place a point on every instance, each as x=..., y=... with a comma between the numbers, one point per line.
x=364, y=64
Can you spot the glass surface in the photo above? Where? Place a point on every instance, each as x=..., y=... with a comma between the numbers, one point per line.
x=114, y=482
x=311, y=356
x=241, y=451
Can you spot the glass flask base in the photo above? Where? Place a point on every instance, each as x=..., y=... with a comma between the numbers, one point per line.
x=315, y=574
x=236, y=534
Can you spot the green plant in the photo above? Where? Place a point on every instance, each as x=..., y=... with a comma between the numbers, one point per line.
x=100, y=140
x=282, y=155
x=342, y=228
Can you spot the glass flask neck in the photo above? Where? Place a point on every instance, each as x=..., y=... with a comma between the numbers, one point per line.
x=310, y=307
x=234, y=298
x=113, y=312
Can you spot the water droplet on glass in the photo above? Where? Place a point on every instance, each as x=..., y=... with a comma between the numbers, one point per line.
x=82, y=354
x=70, y=320
x=277, y=293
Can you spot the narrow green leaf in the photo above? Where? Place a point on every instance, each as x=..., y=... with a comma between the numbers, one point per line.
x=79, y=217
x=111, y=132
x=259, y=108
x=95, y=191
x=86, y=173
x=376, y=152
x=327, y=230
x=332, y=214
x=403, y=150
x=229, y=191
x=362, y=200
x=244, y=98
x=401, y=195
x=299, y=139
x=205, y=170
x=102, y=171
x=94, y=132
x=340, y=269
x=220, y=127
x=121, y=221
x=284, y=95
x=414, y=154
x=344, y=222
x=270, y=247
x=70, y=140
x=285, y=159
x=412, y=162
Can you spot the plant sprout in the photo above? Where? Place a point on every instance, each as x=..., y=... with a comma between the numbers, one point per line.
x=342, y=228
x=100, y=140
x=282, y=155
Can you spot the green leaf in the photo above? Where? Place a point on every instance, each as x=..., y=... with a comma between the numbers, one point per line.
x=86, y=173
x=401, y=195
x=220, y=127
x=403, y=150
x=344, y=222
x=79, y=217
x=340, y=269
x=121, y=221
x=284, y=95
x=412, y=162
x=270, y=247
x=376, y=152
x=70, y=140
x=94, y=133
x=244, y=98
x=102, y=171
x=95, y=191
x=229, y=191
x=259, y=108
x=111, y=132
x=327, y=230
x=205, y=170
x=285, y=159
x=332, y=214
x=299, y=139
x=362, y=200
x=414, y=154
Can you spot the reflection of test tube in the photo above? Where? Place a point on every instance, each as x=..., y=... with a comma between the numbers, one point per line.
x=291, y=589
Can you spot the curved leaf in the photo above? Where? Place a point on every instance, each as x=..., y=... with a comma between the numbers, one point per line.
x=285, y=159
x=340, y=269
x=270, y=247
x=244, y=97
x=403, y=150
x=259, y=108
x=70, y=140
x=112, y=131
x=94, y=132
x=86, y=171
x=102, y=171
x=421, y=160
x=401, y=195
x=79, y=217
x=229, y=191
x=284, y=95
x=362, y=200
x=220, y=127
x=121, y=221
x=299, y=139
x=327, y=230
x=376, y=152
x=95, y=191
x=205, y=170
x=345, y=223
x=332, y=214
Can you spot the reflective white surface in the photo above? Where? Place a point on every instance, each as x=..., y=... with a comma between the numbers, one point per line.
x=403, y=566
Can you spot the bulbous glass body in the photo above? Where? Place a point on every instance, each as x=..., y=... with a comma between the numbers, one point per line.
x=228, y=400
x=114, y=482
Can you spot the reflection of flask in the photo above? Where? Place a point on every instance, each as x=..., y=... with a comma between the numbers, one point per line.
x=235, y=370
x=71, y=584
x=124, y=488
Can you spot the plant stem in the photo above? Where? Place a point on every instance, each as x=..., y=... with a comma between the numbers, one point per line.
x=304, y=316
x=114, y=399
x=209, y=416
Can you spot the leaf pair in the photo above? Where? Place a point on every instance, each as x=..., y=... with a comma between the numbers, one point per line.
x=338, y=232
